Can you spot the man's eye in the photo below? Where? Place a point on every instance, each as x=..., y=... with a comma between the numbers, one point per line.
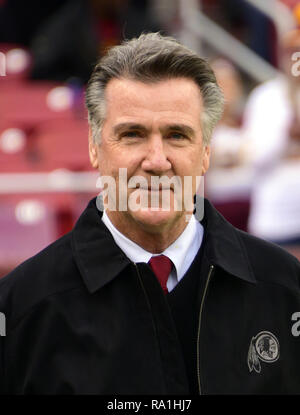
x=177, y=136
x=131, y=134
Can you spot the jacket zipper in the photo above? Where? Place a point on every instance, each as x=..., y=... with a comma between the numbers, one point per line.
x=211, y=269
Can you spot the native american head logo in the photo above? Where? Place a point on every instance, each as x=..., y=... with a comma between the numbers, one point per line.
x=263, y=347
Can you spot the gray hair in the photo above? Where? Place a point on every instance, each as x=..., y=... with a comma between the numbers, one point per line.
x=151, y=58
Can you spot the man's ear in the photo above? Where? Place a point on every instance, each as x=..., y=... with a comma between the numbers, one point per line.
x=93, y=151
x=205, y=160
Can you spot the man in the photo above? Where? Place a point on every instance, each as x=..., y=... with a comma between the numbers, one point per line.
x=140, y=298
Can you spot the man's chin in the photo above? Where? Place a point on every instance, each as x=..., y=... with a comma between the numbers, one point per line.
x=154, y=219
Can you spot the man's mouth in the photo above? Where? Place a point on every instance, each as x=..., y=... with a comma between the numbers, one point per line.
x=154, y=188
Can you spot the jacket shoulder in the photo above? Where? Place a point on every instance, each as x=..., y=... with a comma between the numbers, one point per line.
x=49, y=272
x=270, y=262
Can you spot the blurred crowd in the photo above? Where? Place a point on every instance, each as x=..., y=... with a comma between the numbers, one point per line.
x=50, y=48
x=255, y=172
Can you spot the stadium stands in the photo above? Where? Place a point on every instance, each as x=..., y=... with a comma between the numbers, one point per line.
x=43, y=128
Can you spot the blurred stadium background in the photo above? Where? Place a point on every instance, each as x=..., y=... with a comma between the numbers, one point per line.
x=47, y=51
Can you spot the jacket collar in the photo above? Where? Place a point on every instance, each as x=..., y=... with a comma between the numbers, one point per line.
x=96, y=254
x=224, y=246
x=100, y=260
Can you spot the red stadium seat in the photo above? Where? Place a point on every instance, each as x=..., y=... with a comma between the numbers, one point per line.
x=33, y=102
x=26, y=227
x=15, y=62
x=15, y=145
x=63, y=144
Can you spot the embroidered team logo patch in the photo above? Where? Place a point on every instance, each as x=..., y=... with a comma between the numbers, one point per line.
x=263, y=347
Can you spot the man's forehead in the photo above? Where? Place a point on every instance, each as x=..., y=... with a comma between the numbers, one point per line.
x=132, y=97
x=126, y=86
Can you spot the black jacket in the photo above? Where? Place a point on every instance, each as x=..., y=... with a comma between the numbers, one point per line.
x=82, y=318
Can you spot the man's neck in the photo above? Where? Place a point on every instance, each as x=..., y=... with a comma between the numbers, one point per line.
x=153, y=239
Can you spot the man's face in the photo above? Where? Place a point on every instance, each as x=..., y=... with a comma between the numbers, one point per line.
x=151, y=130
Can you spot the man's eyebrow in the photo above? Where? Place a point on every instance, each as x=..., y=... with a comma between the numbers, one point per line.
x=128, y=126
x=135, y=126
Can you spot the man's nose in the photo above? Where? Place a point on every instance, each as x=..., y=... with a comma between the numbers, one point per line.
x=156, y=158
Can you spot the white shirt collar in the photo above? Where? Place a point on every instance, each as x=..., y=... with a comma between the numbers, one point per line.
x=181, y=252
